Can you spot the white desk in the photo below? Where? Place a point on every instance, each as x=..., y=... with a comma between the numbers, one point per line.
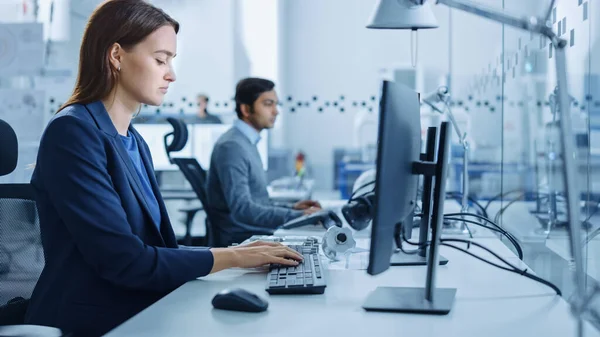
x=489, y=302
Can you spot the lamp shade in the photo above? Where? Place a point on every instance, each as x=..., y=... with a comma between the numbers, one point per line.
x=402, y=14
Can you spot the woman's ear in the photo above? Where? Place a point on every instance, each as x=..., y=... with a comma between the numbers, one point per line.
x=114, y=56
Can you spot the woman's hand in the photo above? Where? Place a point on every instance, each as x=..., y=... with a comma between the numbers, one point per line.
x=254, y=254
x=259, y=244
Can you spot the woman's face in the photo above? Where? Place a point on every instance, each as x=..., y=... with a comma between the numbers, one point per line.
x=147, y=68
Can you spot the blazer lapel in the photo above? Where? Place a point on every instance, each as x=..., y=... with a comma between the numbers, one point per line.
x=105, y=124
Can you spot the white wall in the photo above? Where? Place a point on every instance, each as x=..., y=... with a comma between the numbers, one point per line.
x=329, y=52
x=205, y=51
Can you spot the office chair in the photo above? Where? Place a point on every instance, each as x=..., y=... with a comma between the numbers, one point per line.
x=195, y=175
x=21, y=252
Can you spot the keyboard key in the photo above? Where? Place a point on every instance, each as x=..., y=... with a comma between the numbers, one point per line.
x=293, y=284
x=305, y=278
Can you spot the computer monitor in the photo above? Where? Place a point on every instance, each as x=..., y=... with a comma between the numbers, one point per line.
x=398, y=146
x=399, y=166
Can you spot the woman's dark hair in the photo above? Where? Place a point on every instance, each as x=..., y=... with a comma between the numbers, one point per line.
x=126, y=22
x=248, y=90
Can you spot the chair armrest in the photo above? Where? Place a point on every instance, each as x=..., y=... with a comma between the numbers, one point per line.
x=191, y=208
x=29, y=330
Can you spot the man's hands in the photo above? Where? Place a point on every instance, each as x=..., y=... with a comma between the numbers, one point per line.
x=255, y=254
x=308, y=206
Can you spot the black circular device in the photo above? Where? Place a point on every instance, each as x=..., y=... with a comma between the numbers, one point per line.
x=358, y=212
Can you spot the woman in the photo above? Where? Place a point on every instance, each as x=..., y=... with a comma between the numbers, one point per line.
x=109, y=247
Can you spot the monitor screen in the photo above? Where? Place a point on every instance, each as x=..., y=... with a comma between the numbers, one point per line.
x=201, y=141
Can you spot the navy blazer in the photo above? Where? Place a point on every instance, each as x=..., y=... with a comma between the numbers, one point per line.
x=105, y=258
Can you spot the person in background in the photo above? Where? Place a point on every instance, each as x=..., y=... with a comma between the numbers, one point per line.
x=237, y=185
x=203, y=116
x=109, y=247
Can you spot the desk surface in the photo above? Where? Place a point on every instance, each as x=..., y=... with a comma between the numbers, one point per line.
x=489, y=302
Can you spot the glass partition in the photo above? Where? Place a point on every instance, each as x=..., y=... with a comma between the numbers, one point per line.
x=534, y=204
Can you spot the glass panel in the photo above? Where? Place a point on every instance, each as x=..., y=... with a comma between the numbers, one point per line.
x=476, y=89
x=533, y=160
x=592, y=102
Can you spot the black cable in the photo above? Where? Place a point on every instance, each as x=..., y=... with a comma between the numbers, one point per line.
x=420, y=215
x=506, y=233
x=515, y=269
x=407, y=252
x=498, y=229
x=503, y=209
x=515, y=244
x=500, y=196
x=458, y=196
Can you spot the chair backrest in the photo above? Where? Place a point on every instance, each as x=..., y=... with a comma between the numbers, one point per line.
x=9, y=148
x=21, y=252
x=179, y=136
x=196, y=176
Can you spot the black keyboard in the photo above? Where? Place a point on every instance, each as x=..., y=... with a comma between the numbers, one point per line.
x=305, y=278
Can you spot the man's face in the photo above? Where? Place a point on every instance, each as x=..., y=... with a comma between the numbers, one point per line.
x=264, y=112
x=201, y=103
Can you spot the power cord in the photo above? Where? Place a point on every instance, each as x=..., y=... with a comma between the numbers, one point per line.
x=458, y=196
x=496, y=228
x=512, y=269
x=500, y=195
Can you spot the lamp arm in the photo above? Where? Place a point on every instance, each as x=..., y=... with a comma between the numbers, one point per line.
x=461, y=136
x=531, y=24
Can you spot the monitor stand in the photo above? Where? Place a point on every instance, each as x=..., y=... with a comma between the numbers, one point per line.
x=410, y=300
x=419, y=256
x=428, y=300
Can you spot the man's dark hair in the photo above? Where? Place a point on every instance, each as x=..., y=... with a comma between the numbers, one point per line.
x=203, y=96
x=248, y=90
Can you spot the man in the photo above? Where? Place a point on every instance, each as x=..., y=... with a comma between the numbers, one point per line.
x=202, y=116
x=237, y=186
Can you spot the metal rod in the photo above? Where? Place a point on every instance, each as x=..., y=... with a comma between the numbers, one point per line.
x=463, y=141
x=531, y=24
x=549, y=12
x=426, y=197
x=465, y=178
x=569, y=172
x=437, y=215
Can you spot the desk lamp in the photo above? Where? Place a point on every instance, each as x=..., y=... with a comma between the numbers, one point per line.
x=416, y=14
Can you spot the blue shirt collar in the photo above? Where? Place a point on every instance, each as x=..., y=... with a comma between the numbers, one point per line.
x=248, y=131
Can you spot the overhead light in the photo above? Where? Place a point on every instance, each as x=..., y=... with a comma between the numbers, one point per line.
x=402, y=14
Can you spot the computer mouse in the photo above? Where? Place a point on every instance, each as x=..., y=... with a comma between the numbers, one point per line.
x=239, y=300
